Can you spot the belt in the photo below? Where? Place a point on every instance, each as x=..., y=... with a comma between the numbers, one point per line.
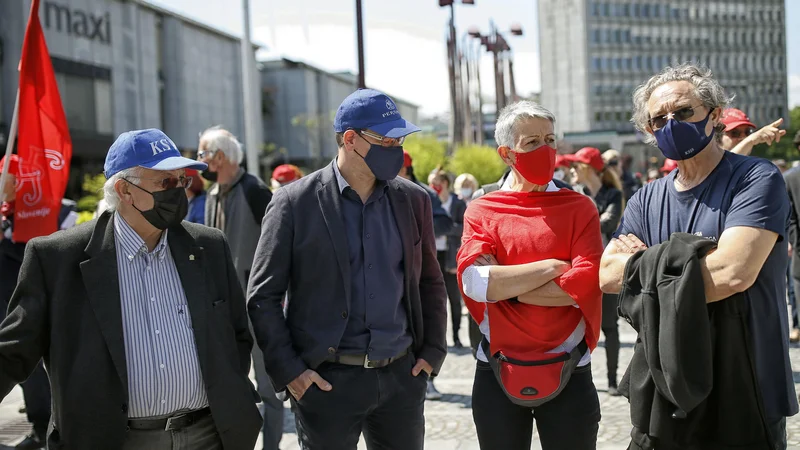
x=364, y=361
x=175, y=422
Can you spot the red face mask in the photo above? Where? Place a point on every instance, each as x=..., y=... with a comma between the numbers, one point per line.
x=437, y=188
x=537, y=166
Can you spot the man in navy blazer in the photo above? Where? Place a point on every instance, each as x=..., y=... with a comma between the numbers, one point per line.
x=365, y=323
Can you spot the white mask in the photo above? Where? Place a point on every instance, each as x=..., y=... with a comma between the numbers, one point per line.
x=466, y=193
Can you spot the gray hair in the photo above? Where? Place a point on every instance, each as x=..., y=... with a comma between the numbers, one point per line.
x=511, y=115
x=219, y=138
x=110, y=194
x=706, y=88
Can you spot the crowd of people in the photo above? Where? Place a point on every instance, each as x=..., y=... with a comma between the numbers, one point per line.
x=141, y=326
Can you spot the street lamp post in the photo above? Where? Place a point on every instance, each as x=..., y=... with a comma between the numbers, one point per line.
x=455, y=127
x=360, y=39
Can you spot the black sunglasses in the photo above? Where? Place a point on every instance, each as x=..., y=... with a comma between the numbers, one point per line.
x=680, y=115
x=169, y=182
x=737, y=133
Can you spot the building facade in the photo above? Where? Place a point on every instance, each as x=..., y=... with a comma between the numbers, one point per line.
x=125, y=65
x=595, y=53
x=299, y=104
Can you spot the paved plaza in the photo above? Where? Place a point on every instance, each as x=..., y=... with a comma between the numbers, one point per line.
x=449, y=421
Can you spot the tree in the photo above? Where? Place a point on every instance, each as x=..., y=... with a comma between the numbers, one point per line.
x=785, y=149
x=481, y=161
x=427, y=153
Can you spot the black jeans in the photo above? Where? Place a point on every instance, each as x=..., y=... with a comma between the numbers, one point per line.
x=387, y=404
x=36, y=392
x=453, y=293
x=611, y=333
x=568, y=422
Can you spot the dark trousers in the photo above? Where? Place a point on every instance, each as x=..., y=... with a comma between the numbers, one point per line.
x=453, y=293
x=611, y=333
x=792, y=289
x=475, y=336
x=568, y=422
x=199, y=436
x=387, y=404
x=36, y=392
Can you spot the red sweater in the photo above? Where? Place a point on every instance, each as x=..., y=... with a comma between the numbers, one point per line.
x=523, y=227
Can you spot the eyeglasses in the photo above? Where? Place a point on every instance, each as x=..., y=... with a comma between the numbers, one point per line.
x=169, y=182
x=736, y=133
x=385, y=141
x=202, y=154
x=681, y=115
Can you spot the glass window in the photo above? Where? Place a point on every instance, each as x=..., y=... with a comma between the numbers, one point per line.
x=608, y=115
x=637, y=63
x=618, y=116
x=606, y=10
x=595, y=64
x=617, y=36
x=626, y=10
x=637, y=12
x=595, y=35
x=598, y=116
x=595, y=9
x=102, y=104
x=78, y=99
x=645, y=10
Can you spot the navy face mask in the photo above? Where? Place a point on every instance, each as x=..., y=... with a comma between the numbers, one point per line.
x=384, y=162
x=683, y=140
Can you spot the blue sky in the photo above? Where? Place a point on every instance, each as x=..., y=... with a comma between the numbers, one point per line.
x=404, y=40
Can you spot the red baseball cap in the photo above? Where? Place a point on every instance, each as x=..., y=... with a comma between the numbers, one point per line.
x=588, y=155
x=561, y=161
x=733, y=118
x=13, y=165
x=669, y=165
x=407, y=159
x=286, y=173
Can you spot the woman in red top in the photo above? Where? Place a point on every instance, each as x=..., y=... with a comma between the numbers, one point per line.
x=529, y=266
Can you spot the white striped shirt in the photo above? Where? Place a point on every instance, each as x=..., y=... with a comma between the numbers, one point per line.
x=163, y=368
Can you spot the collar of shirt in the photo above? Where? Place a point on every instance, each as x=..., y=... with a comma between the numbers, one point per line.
x=225, y=188
x=343, y=184
x=551, y=187
x=446, y=205
x=133, y=244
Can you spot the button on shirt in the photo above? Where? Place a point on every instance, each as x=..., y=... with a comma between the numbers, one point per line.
x=377, y=323
x=163, y=368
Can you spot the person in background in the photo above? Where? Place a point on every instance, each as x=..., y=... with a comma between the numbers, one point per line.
x=447, y=248
x=36, y=389
x=236, y=204
x=562, y=169
x=740, y=134
x=442, y=223
x=621, y=164
x=145, y=349
x=605, y=189
x=792, y=179
x=465, y=185
x=668, y=166
x=197, y=198
x=285, y=174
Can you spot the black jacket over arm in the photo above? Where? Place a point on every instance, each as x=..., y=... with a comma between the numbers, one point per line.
x=691, y=382
x=303, y=250
x=66, y=309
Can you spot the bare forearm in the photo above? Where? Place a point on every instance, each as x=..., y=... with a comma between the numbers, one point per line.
x=612, y=271
x=549, y=294
x=512, y=281
x=743, y=148
x=721, y=278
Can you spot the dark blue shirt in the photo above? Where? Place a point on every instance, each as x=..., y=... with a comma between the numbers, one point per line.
x=197, y=209
x=741, y=191
x=377, y=324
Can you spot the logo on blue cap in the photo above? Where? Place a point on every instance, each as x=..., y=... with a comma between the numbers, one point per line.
x=149, y=148
x=372, y=110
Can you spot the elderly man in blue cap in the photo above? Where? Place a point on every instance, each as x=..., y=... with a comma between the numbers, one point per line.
x=139, y=318
x=365, y=325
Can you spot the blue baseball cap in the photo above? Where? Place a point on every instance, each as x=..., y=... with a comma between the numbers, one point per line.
x=373, y=110
x=149, y=148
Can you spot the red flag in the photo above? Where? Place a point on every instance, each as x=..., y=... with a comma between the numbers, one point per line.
x=43, y=142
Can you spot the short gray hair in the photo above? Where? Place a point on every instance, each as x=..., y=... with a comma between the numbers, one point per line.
x=110, y=194
x=511, y=115
x=219, y=138
x=706, y=88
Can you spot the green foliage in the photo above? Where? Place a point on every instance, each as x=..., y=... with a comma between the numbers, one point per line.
x=84, y=216
x=427, y=153
x=93, y=192
x=785, y=149
x=481, y=161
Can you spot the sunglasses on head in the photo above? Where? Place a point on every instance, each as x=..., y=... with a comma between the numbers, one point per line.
x=736, y=133
x=681, y=115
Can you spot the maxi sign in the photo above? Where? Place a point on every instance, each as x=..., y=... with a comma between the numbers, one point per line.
x=78, y=23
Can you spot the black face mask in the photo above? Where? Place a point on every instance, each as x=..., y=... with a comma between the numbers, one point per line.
x=210, y=176
x=169, y=207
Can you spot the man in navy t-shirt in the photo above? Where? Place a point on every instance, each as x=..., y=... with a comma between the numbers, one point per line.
x=738, y=201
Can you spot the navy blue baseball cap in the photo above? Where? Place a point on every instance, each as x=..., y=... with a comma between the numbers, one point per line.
x=149, y=148
x=373, y=110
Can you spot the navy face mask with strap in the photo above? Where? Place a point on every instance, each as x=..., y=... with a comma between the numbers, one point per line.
x=384, y=162
x=683, y=140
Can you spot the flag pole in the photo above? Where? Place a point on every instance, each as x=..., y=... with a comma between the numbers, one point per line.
x=12, y=136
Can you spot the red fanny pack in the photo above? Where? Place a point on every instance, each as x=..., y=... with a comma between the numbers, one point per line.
x=534, y=382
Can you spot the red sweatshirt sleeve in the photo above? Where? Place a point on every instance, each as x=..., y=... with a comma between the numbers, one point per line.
x=582, y=281
x=475, y=241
